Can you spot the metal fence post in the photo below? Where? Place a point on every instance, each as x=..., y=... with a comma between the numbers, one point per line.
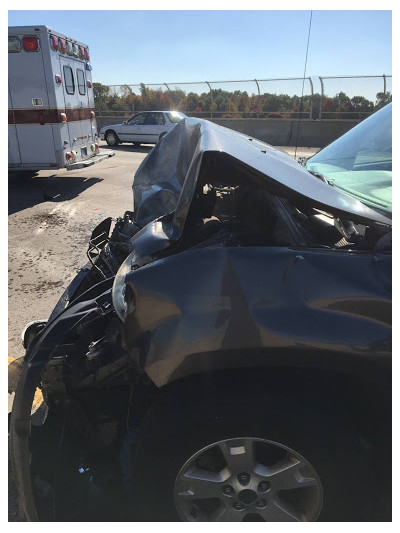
x=211, y=97
x=322, y=97
x=169, y=91
x=258, y=99
x=312, y=96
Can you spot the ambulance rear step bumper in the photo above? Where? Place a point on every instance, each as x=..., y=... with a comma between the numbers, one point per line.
x=90, y=162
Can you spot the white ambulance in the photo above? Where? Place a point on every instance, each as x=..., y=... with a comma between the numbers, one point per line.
x=51, y=119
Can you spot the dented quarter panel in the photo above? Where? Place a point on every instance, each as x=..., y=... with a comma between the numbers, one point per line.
x=204, y=309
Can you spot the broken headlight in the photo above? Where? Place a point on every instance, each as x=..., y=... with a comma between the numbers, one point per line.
x=119, y=286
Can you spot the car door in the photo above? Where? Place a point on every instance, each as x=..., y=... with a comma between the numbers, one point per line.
x=131, y=130
x=154, y=125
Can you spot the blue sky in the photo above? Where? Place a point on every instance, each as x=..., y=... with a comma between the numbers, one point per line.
x=172, y=46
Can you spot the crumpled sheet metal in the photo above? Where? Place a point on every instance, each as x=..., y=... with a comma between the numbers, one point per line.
x=317, y=307
x=167, y=178
x=160, y=178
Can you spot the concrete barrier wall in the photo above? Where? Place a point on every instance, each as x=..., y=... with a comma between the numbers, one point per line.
x=283, y=132
x=275, y=131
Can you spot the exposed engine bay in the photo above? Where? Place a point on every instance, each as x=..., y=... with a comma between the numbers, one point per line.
x=236, y=213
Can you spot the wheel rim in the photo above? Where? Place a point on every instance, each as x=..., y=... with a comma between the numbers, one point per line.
x=247, y=480
x=111, y=139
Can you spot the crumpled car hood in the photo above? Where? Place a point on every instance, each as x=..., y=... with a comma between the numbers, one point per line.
x=166, y=180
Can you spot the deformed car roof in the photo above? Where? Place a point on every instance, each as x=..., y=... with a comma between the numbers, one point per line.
x=166, y=180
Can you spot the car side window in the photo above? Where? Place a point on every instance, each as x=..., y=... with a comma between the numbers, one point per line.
x=138, y=120
x=160, y=119
x=81, y=81
x=151, y=120
x=69, y=80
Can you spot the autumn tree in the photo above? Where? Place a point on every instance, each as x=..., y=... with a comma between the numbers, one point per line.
x=219, y=103
x=382, y=99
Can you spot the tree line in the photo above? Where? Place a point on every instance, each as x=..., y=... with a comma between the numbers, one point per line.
x=234, y=104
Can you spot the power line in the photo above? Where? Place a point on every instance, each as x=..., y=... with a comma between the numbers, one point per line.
x=302, y=90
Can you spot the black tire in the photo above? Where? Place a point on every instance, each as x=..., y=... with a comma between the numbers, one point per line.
x=179, y=426
x=112, y=138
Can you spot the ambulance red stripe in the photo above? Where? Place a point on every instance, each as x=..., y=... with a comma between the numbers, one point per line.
x=47, y=116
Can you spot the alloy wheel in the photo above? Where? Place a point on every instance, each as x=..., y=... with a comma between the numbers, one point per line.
x=247, y=480
x=111, y=139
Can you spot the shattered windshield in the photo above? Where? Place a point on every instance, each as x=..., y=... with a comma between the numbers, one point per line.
x=360, y=162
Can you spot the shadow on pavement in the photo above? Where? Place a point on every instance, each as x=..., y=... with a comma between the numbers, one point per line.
x=24, y=192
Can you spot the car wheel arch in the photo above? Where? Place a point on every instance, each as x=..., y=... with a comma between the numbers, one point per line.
x=339, y=389
x=110, y=130
x=220, y=402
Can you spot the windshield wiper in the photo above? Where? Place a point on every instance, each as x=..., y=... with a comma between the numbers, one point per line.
x=321, y=177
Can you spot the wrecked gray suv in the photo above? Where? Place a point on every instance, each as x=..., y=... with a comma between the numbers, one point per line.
x=225, y=355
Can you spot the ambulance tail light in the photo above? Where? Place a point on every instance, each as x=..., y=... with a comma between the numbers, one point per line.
x=71, y=156
x=58, y=79
x=63, y=117
x=30, y=44
x=97, y=147
x=81, y=52
x=14, y=43
x=53, y=42
x=62, y=45
x=89, y=84
x=87, y=56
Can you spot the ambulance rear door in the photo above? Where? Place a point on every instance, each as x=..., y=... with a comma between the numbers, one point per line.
x=31, y=111
x=84, y=105
x=73, y=104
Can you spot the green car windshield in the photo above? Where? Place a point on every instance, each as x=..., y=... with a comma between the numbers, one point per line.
x=360, y=162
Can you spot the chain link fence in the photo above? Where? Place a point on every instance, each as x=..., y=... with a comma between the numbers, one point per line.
x=324, y=97
x=353, y=96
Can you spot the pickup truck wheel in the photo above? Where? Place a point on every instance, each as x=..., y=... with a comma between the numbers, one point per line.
x=247, y=459
x=112, y=138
